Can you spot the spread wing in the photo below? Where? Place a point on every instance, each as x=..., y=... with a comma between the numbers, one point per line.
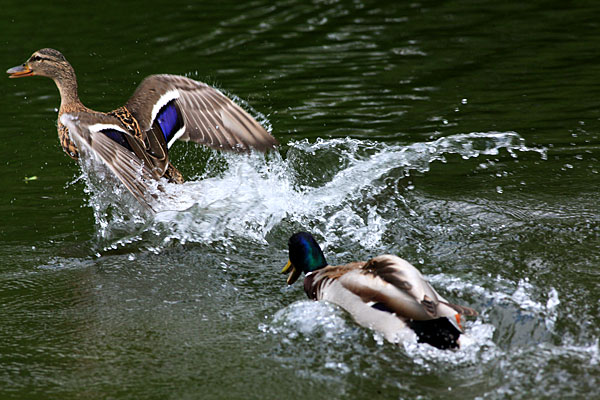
x=185, y=109
x=105, y=137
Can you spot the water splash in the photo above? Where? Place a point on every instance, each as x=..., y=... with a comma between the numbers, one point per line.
x=308, y=318
x=341, y=189
x=325, y=323
x=328, y=325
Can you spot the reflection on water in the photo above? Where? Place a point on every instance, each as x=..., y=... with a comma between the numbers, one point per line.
x=463, y=137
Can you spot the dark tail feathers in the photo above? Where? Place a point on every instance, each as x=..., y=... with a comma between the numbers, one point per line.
x=440, y=332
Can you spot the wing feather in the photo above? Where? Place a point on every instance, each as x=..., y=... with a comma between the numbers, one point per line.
x=210, y=117
x=401, y=288
x=127, y=167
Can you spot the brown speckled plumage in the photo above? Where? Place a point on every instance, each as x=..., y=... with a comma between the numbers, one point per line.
x=66, y=142
x=128, y=120
x=173, y=174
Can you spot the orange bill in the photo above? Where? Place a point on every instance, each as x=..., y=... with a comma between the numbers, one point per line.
x=20, y=71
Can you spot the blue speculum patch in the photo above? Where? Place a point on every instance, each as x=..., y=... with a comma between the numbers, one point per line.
x=118, y=137
x=169, y=120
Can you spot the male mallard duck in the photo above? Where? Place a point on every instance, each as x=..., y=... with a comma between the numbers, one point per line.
x=386, y=294
x=133, y=140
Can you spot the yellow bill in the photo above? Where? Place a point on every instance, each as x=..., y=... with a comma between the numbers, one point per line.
x=294, y=274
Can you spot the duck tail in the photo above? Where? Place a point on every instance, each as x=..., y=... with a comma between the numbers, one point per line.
x=439, y=332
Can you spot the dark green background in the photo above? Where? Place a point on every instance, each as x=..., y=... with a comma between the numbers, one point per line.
x=462, y=136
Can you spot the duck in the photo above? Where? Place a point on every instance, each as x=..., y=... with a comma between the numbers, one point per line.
x=133, y=140
x=386, y=294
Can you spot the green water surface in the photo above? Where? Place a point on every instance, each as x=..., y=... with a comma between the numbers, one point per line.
x=462, y=136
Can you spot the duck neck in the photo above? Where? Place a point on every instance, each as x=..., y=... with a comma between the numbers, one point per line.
x=314, y=260
x=315, y=264
x=66, y=82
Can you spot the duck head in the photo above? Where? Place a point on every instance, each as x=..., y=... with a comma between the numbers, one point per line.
x=305, y=256
x=45, y=62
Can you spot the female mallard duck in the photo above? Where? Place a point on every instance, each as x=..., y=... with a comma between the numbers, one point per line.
x=133, y=140
x=386, y=294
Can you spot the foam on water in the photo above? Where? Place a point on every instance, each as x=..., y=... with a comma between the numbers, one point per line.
x=309, y=318
x=345, y=191
x=506, y=294
x=324, y=322
x=477, y=344
x=326, y=186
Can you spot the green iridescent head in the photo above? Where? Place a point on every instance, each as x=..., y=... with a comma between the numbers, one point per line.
x=305, y=256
